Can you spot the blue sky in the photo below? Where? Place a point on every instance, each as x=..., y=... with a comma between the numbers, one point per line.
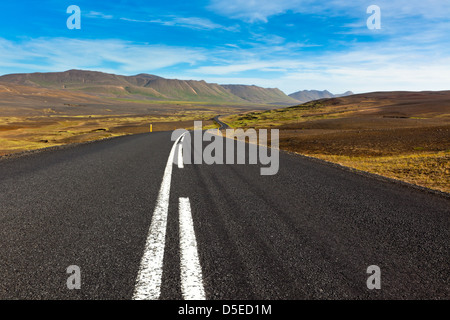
x=289, y=44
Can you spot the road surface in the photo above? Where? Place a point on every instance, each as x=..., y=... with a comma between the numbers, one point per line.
x=115, y=209
x=222, y=124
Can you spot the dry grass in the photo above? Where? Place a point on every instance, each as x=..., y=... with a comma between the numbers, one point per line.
x=291, y=115
x=28, y=133
x=405, y=136
x=431, y=170
x=33, y=117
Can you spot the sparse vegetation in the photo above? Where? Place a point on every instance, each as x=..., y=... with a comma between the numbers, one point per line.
x=403, y=136
x=429, y=169
x=29, y=133
x=33, y=118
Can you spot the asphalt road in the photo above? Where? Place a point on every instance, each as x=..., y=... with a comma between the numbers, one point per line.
x=222, y=124
x=309, y=232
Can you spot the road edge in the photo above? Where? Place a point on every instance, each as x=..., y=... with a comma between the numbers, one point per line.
x=370, y=174
x=21, y=154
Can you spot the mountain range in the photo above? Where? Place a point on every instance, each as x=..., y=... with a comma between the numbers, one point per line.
x=146, y=86
x=310, y=95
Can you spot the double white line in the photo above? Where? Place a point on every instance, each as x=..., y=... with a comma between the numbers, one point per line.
x=148, y=283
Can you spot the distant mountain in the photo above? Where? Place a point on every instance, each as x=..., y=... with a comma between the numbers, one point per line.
x=191, y=90
x=75, y=79
x=146, y=86
x=345, y=94
x=260, y=95
x=310, y=95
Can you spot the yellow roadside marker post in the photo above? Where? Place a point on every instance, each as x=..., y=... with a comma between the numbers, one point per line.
x=151, y=127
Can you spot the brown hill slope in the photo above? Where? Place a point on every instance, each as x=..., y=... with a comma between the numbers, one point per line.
x=20, y=95
x=261, y=95
x=145, y=86
x=191, y=90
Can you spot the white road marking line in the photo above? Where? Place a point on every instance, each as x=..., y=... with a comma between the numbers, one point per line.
x=191, y=272
x=148, y=283
x=180, y=156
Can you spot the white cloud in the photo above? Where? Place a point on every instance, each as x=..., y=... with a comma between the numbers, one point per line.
x=253, y=10
x=95, y=14
x=187, y=22
x=261, y=10
x=269, y=39
x=105, y=55
x=193, y=23
x=361, y=68
x=428, y=9
x=392, y=65
x=134, y=20
x=243, y=66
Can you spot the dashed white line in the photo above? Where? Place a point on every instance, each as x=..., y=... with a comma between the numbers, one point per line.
x=191, y=272
x=180, y=156
x=148, y=283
